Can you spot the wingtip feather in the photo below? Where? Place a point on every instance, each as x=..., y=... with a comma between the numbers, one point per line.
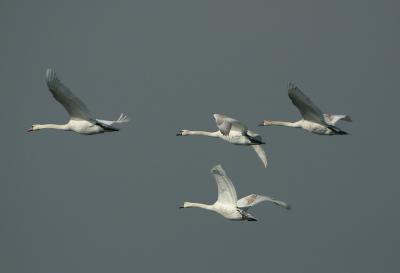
x=123, y=118
x=291, y=85
x=51, y=75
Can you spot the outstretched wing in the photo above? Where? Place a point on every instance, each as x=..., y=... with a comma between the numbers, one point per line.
x=333, y=119
x=307, y=109
x=261, y=154
x=122, y=118
x=226, y=190
x=227, y=124
x=253, y=199
x=76, y=109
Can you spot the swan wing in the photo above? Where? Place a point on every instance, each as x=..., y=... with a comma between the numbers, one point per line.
x=306, y=107
x=254, y=199
x=76, y=109
x=227, y=124
x=261, y=154
x=226, y=190
x=122, y=118
x=333, y=119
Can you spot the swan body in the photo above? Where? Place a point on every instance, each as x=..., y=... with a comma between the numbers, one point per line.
x=232, y=131
x=81, y=120
x=233, y=137
x=229, y=212
x=85, y=127
x=227, y=204
x=307, y=125
x=313, y=120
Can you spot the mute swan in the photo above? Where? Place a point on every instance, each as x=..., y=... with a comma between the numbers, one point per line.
x=313, y=119
x=227, y=204
x=235, y=132
x=81, y=121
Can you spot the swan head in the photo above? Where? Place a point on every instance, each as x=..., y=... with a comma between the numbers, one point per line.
x=35, y=127
x=265, y=123
x=183, y=133
x=185, y=205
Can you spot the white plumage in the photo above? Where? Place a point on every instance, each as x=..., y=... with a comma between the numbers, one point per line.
x=81, y=120
x=227, y=204
x=235, y=132
x=313, y=119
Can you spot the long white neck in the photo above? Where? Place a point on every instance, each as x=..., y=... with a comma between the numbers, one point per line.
x=53, y=126
x=203, y=133
x=284, y=123
x=197, y=205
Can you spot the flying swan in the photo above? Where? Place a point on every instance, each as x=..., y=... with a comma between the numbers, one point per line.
x=81, y=121
x=227, y=204
x=313, y=120
x=234, y=132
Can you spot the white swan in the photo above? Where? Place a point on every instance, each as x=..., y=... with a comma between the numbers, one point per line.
x=227, y=204
x=235, y=132
x=313, y=119
x=81, y=121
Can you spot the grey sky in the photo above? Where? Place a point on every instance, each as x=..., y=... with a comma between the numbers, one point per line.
x=109, y=203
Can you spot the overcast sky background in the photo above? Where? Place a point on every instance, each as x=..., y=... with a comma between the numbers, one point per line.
x=109, y=203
